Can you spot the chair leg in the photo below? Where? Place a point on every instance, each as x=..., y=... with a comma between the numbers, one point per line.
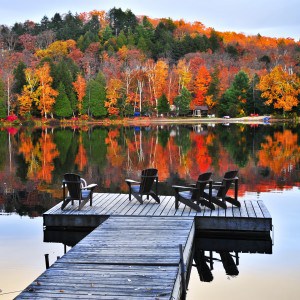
x=233, y=201
x=138, y=197
x=154, y=196
x=176, y=203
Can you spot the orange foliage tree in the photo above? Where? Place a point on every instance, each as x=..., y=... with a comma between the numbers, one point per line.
x=113, y=93
x=80, y=89
x=157, y=74
x=280, y=89
x=201, y=85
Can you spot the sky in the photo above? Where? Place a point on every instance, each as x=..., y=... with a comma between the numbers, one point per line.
x=273, y=18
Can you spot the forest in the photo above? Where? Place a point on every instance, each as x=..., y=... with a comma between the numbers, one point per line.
x=115, y=64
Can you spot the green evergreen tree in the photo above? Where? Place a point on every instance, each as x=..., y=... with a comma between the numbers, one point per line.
x=85, y=40
x=255, y=103
x=130, y=40
x=20, y=80
x=107, y=34
x=183, y=101
x=65, y=71
x=215, y=41
x=62, y=107
x=234, y=99
x=121, y=39
x=95, y=97
x=163, y=105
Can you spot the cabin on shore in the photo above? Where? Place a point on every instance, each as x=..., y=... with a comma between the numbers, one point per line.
x=200, y=111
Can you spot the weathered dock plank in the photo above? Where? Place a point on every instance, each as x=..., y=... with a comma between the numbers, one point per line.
x=124, y=258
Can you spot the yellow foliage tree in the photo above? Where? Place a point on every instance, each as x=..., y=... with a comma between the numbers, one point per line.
x=57, y=49
x=46, y=94
x=184, y=74
x=29, y=93
x=280, y=89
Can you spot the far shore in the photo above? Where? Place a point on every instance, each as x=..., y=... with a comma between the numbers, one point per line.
x=147, y=121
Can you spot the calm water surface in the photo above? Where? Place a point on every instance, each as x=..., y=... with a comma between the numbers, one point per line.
x=32, y=163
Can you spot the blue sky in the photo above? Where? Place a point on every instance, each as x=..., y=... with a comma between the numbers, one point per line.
x=275, y=18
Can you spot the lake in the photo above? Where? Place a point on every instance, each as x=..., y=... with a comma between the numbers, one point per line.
x=33, y=160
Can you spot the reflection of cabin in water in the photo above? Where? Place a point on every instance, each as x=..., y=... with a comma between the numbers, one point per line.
x=200, y=111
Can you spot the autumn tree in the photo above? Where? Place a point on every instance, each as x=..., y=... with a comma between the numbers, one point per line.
x=113, y=93
x=157, y=74
x=201, y=85
x=45, y=93
x=280, y=89
x=29, y=93
x=80, y=89
x=184, y=75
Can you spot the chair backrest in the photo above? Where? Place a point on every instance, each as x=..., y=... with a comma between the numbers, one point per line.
x=73, y=182
x=228, y=179
x=147, y=180
x=201, y=183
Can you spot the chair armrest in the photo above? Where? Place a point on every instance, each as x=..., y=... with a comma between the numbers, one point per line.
x=229, y=179
x=180, y=187
x=205, y=181
x=90, y=186
x=130, y=181
x=217, y=184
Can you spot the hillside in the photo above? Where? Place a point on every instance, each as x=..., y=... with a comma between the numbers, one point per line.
x=114, y=63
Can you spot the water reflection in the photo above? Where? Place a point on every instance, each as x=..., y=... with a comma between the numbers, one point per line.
x=33, y=160
x=211, y=250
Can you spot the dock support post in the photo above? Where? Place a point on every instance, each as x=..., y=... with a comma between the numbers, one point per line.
x=183, y=273
x=47, y=260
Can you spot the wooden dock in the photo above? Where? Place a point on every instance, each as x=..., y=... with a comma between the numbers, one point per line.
x=252, y=216
x=134, y=251
x=124, y=258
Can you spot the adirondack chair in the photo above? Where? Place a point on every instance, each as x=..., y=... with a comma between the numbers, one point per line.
x=193, y=195
x=218, y=193
x=77, y=190
x=138, y=189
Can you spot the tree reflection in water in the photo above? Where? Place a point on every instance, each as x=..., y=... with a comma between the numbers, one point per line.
x=33, y=161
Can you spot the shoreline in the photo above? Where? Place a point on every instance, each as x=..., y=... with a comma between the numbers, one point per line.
x=144, y=121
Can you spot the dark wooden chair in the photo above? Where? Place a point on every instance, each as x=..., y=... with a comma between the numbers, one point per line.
x=193, y=195
x=138, y=189
x=77, y=190
x=218, y=193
